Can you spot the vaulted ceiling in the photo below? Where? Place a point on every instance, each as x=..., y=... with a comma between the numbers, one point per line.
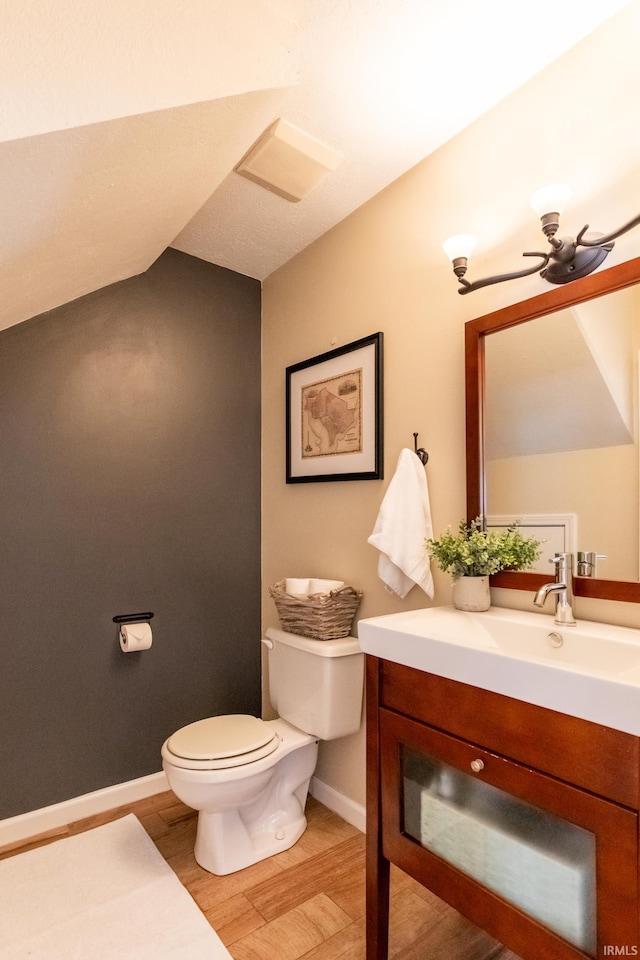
x=121, y=123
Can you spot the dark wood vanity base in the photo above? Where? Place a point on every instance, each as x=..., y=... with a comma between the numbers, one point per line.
x=570, y=771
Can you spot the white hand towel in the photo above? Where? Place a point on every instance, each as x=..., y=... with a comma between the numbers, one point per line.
x=403, y=525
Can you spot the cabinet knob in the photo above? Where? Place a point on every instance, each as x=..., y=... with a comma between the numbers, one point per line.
x=477, y=765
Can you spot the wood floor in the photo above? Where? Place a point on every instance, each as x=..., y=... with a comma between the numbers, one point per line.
x=304, y=904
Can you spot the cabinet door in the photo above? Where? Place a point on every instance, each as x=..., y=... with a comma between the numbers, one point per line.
x=548, y=869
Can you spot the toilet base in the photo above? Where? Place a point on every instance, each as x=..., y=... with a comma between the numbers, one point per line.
x=221, y=846
x=230, y=840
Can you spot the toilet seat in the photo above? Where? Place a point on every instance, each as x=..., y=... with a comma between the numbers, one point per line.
x=221, y=742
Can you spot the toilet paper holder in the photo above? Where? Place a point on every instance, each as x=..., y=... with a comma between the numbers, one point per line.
x=132, y=617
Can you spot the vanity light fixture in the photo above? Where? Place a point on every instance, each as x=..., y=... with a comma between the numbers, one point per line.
x=568, y=259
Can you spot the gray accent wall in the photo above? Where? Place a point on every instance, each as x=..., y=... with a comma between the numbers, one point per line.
x=129, y=481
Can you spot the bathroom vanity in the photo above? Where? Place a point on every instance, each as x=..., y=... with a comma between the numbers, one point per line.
x=503, y=774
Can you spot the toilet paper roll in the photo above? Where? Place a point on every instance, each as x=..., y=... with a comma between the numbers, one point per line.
x=135, y=636
x=296, y=587
x=324, y=586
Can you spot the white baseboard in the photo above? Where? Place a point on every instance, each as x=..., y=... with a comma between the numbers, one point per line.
x=15, y=829
x=354, y=813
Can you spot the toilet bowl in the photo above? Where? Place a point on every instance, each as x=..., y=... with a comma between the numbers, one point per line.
x=251, y=805
x=249, y=778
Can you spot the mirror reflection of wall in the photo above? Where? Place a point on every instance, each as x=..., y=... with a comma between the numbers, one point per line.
x=561, y=426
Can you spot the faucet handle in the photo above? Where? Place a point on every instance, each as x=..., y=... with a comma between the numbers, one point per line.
x=586, y=563
x=564, y=566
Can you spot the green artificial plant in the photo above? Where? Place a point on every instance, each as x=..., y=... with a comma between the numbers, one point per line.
x=475, y=552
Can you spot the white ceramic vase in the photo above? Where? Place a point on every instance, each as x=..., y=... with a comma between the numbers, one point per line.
x=471, y=593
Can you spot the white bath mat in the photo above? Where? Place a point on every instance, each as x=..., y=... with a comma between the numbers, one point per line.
x=106, y=894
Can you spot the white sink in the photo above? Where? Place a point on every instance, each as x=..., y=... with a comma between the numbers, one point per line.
x=591, y=670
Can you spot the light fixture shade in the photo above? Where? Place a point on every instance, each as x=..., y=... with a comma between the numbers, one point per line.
x=462, y=245
x=551, y=199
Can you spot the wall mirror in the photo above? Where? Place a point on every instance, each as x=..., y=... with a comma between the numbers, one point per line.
x=552, y=426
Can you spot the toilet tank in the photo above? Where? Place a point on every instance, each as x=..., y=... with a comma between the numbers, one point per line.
x=316, y=685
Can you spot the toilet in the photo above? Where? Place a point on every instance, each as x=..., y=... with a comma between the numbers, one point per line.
x=248, y=778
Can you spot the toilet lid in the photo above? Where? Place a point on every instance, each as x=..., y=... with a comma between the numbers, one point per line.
x=219, y=738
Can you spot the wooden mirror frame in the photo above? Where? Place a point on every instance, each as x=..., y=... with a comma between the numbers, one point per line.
x=595, y=285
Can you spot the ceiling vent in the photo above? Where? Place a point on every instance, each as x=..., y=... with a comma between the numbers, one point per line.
x=288, y=161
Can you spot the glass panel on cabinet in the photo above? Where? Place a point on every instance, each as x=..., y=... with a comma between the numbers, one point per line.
x=540, y=863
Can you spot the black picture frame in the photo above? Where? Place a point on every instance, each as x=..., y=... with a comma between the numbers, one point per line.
x=334, y=428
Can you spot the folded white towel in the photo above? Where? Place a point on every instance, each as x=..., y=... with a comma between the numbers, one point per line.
x=403, y=524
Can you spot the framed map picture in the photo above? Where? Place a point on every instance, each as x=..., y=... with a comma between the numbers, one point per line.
x=334, y=414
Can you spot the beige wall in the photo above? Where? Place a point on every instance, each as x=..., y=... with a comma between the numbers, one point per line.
x=383, y=269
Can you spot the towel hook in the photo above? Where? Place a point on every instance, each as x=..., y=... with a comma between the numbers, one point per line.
x=420, y=451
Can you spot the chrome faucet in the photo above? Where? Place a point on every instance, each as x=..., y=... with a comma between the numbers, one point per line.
x=562, y=588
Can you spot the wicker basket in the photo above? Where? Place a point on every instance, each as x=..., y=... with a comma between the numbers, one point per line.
x=322, y=616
